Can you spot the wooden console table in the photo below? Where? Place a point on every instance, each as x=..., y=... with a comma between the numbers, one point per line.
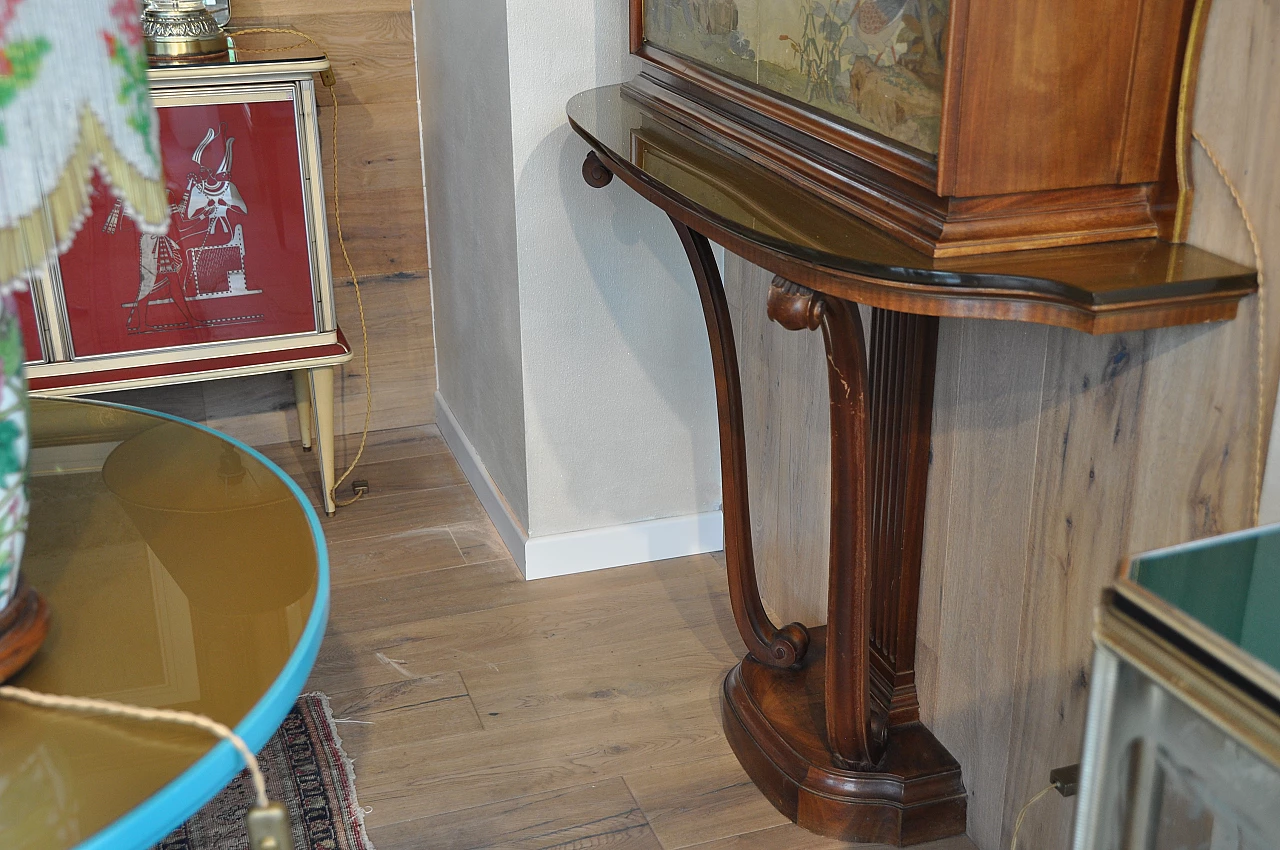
x=826, y=720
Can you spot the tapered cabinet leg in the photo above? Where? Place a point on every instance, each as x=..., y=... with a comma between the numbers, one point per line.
x=302, y=392
x=321, y=381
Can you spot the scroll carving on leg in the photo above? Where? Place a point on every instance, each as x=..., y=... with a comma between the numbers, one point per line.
x=767, y=643
x=825, y=720
x=836, y=742
x=856, y=728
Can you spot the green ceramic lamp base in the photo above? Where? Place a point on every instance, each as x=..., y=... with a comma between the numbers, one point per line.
x=23, y=626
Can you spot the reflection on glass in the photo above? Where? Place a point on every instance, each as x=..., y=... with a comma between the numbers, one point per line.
x=1231, y=584
x=179, y=571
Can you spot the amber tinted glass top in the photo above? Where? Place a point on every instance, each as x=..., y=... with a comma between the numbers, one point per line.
x=180, y=573
x=694, y=171
x=1230, y=584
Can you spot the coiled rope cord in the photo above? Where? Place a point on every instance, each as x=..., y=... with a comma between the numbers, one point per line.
x=117, y=709
x=342, y=243
x=1259, y=454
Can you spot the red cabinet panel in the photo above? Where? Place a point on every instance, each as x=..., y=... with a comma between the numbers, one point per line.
x=236, y=263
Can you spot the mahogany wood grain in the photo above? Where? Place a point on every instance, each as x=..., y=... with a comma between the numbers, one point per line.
x=23, y=626
x=1038, y=97
x=809, y=733
x=904, y=352
x=856, y=728
x=767, y=643
x=774, y=720
x=855, y=720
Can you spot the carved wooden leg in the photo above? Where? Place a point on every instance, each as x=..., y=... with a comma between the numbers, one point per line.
x=904, y=353
x=768, y=644
x=821, y=740
x=856, y=730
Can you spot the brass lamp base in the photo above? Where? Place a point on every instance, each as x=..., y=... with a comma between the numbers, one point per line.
x=181, y=31
x=23, y=626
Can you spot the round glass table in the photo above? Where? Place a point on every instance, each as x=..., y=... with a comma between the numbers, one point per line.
x=182, y=570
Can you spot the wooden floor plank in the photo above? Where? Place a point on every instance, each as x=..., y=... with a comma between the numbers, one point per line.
x=421, y=779
x=702, y=801
x=381, y=446
x=597, y=614
x=559, y=683
x=792, y=837
x=421, y=708
x=478, y=541
x=394, y=477
x=411, y=553
x=598, y=815
x=377, y=517
x=408, y=598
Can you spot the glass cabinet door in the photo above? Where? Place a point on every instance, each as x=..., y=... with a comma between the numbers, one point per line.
x=236, y=263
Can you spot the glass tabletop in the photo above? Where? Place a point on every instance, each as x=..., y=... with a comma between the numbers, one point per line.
x=1230, y=584
x=767, y=210
x=251, y=52
x=182, y=570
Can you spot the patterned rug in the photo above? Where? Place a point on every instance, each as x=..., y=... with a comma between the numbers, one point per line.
x=306, y=770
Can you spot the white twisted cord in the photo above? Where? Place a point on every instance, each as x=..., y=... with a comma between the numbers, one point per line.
x=118, y=709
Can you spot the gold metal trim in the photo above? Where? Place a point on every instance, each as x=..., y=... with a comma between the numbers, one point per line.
x=1186, y=106
x=181, y=31
x=1233, y=711
x=1223, y=650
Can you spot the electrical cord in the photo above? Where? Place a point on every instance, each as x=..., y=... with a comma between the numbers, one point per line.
x=118, y=709
x=1017, y=825
x=329, y=83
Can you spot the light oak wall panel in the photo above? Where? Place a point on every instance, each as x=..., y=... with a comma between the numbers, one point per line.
x=979, y=513
x=1238, y=115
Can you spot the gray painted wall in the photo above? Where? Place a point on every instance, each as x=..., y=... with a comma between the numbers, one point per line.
x=619, y=398
x=569, y=310
x=463, y=78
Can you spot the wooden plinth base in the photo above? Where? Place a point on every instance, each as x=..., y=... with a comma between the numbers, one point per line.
x=23, y=626
x=776, y=723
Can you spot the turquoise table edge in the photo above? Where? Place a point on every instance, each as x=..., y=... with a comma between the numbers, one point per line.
x=147, y=824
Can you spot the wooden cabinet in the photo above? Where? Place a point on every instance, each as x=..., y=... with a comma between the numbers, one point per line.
x=959, y=126
x=240, y=284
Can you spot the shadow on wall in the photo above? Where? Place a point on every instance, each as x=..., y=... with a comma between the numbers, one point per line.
x=653, y=327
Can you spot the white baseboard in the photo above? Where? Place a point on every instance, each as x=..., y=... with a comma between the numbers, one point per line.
x=620, y=545
x=509, y=528
x=579, y=551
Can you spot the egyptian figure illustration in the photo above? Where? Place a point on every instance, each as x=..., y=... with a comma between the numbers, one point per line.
x=201, y=257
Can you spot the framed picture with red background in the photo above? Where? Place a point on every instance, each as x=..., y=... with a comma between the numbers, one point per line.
x=236, y=262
